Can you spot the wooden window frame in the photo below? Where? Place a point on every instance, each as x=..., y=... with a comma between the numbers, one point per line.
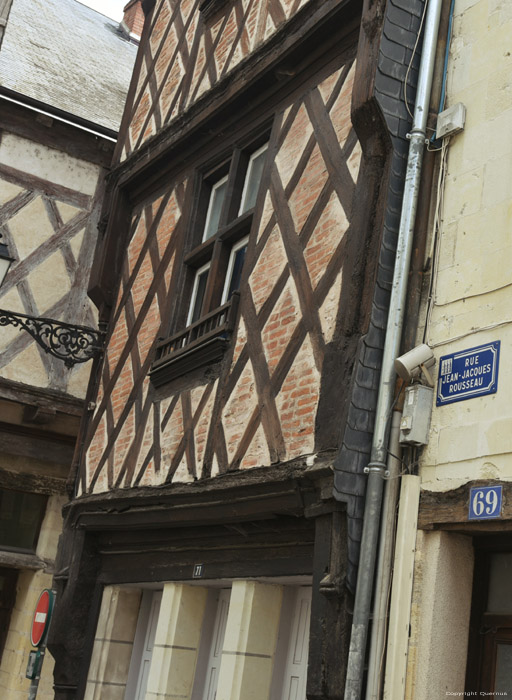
x=195, y=289
x=195, y=342
x=241, y=243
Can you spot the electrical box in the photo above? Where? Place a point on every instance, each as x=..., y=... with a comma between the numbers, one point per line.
x=451, y=121
x=416, y=415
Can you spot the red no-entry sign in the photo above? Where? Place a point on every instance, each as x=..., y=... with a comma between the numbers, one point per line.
x=42, y=616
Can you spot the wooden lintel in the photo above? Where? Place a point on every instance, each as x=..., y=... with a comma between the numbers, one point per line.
x=37, y=444
x=155, y=569
x=448, y=510
x=479, y=527
x=34, y=483
x=44, y=398
x=275, y=546
x=232, y=497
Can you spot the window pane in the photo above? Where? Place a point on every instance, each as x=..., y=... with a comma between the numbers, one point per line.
x=253, y=179
x=21, y=515
x=500, y=584
x=198, y=295
x=234, y=271
x=236, y=275
x=217, y=196
x=503, y=681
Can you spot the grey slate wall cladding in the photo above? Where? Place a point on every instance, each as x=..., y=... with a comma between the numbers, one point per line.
x=401, y=25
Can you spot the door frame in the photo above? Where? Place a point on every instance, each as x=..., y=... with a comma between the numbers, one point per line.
x=487, y=630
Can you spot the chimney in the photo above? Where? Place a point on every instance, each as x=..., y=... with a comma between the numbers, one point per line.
x=133, y=20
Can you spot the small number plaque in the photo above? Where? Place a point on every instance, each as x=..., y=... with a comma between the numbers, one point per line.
x=485, y=502
x=198, y=571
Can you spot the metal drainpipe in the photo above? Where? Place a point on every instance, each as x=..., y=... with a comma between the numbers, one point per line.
x=383, y=577
x=377, y=467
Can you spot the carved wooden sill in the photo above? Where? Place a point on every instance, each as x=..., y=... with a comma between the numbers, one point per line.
x=202, y=343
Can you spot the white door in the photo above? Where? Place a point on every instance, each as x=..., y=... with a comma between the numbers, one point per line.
x=210, y=649
x=291, y=659
x=143, y=646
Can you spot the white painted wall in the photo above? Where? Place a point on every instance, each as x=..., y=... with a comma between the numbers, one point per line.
x=48, y=163
x=472, y=439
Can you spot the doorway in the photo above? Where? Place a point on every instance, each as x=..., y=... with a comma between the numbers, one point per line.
x=489, y=668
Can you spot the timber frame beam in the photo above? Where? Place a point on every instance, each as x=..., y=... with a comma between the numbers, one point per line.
x=288, y=489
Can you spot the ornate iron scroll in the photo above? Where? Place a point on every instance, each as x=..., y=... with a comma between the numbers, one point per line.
x=67, y=342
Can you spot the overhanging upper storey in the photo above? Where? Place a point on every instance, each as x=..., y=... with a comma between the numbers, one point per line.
x=233, y=264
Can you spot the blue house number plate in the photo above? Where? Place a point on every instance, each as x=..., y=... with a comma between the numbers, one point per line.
x=485, y=502
x=468, y=374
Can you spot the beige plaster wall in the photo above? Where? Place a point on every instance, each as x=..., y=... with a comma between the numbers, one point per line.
x=472, y=295
x=440, y=614
x=48, y=163
x=13, y=684
x=473, y=287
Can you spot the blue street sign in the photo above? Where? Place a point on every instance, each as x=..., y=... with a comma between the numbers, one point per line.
x=485, y=502
x=468, y=374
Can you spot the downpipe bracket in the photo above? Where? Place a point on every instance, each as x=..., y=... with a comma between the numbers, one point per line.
x=410, y=135
x=379, y=468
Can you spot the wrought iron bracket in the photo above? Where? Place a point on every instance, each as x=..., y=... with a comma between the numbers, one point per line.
x=65, y=341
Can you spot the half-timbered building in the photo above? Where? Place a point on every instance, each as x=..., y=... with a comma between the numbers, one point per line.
x=244, y=270
x=64, y=74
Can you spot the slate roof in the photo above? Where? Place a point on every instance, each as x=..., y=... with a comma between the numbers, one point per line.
x=69, y=57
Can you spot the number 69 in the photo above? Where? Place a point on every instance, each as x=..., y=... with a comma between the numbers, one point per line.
x=485, y=501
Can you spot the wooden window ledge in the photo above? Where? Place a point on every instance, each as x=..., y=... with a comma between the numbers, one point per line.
x=202, y=343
